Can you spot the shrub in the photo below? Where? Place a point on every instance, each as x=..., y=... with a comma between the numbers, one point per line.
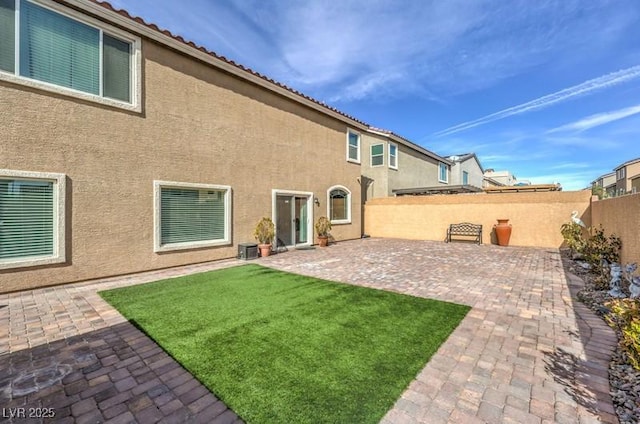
x=265, y=231
x=625, y=315
x=599, y=247
x=572, y=234
x=323, y=226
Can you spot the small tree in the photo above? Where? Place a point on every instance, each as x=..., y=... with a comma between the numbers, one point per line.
x=265, y=231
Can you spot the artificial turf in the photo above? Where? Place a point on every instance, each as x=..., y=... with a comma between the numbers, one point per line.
x=278, y=347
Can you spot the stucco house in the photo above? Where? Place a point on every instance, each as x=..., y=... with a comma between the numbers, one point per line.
x=392, y=163
x=466, y=170
x=628, y=177
x=125, y=148
x=606, y=183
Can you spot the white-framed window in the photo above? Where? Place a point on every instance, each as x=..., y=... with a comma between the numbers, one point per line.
x=339, y=205
x=189, y=215
x=621, y=174
x=32, y=218
x=353, y=146
x=393, y=156
x=443, y=172
x=49, y=47
x=377, y=154
x=465, y=178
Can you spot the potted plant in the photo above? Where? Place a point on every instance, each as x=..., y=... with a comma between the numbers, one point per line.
x=323, y=226
x=265, y=232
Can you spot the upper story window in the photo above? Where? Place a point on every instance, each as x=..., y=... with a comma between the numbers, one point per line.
x=465, y=178
x=353, y=146
x=393, y=156
x=620, y=174
x=339, y=205
x=443, y=174
x=377, y=154
x=66, y=52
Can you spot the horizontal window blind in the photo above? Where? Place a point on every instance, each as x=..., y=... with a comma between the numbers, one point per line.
x=116, y=68
x=26, y=218
x=7, y=35
x=191, y=215
x=58, y=50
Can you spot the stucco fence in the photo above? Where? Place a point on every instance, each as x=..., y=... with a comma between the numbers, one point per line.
x=536, y=218
x=621, y=216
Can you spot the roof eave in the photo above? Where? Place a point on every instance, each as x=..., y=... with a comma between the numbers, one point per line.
x=144, y=30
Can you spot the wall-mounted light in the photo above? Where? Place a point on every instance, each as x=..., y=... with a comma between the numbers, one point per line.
x=316, y=201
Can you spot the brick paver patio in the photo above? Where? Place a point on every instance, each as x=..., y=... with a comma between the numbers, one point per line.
x=527, y=352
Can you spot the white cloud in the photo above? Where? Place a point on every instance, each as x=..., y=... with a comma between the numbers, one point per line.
x=598, y=119
x=582, y=89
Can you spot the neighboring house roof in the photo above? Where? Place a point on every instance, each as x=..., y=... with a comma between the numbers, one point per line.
x=517, y=189
x=422, y=191
x=627, y=163
x=494, y=182
x=408, y=143
x=602, y=177
x=465, y=157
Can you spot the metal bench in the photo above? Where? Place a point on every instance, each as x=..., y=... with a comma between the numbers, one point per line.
x=465, y=229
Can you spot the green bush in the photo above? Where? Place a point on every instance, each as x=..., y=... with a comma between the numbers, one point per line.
x=625, y=315
x=599, y=247
x=572, y=234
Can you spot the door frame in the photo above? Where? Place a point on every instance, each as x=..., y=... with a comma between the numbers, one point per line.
x=309, y=195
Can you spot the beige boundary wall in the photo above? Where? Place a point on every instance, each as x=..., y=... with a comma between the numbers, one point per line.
x=620, y=216
x=536, y=217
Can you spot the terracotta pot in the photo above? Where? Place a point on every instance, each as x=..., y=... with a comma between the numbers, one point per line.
x=323, y=241
x=265, y=249
x=503, y=232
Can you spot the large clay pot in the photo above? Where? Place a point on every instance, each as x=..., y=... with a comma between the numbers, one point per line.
x=265, y=249
x=503, y=232
x=323, y=241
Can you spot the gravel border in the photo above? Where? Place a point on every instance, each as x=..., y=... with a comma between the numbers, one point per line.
x=623, y=378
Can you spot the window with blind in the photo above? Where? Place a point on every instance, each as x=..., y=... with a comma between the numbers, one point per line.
x=339, y=205
x=31, y=218
x=191, y=215
x=56, y=49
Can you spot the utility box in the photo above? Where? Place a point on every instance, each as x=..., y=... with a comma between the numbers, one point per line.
x=247, y=251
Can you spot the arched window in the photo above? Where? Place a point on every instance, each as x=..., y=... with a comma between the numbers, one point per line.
x=339, y=205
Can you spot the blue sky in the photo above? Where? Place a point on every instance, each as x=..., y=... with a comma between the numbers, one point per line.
x=549, y=90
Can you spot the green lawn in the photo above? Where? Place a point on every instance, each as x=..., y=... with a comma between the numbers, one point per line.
x=284, y=348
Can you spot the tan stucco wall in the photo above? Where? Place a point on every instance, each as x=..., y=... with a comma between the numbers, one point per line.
x=198, y=125
x=376, y=177
x=620, y=216
x=536, y=217
x=415, y=170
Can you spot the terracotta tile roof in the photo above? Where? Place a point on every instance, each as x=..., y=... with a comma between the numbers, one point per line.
x=213, y=54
